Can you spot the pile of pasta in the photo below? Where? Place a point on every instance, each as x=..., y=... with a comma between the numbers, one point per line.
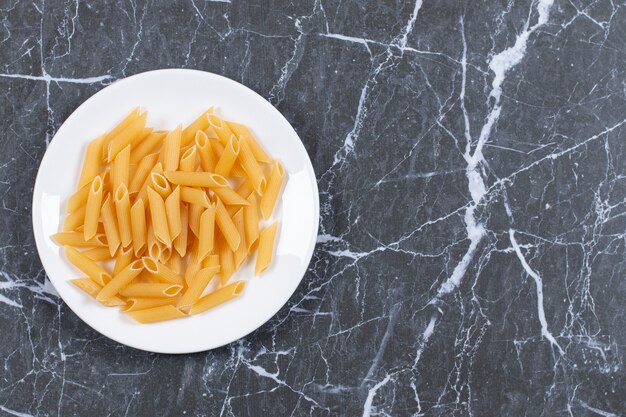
x=159, y=216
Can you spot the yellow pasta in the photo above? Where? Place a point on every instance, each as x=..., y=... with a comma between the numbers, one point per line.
x=122, y=210
x=91, y=163
x=147, y=146
x=195, y=212
x=251, y=221
x=180, y=243
x=207, y=158
x=188, y=160
x=220, y=128
x=226, y=226
x=93, y=288
x=162, y=272
x=211, y=260
x=125, y=137
x=244, y=134
x=154, y=249
x=121, y=280
x=242, y=251
x=266, y=248
x=124, y=258
x=207, y=232
x=201, y=123
x=228, y=158
x=77, y=240
x=218, y=297
x=150, y=181
x=245, y=189
x=98, y=254
x=193, y=265
x=170, y=152
x=109, y=221
x=151, y=290
x=252, y=168
x=92, y=210
x=159, y=217
x=136, y=304
x=194, y=196
x=175, y=263
x=89, y=267
x=230, y=196
x=227, y=264
x=218, y=150
x=198, y=284
x=78, y=199
x=153, y=315
x=138, y=226
x=274, y=183
x=172, y=210
x=196, y=179
x=144, y=168
x=159, y=184
x=121, y=168
x=131, y=117
x=166, y=252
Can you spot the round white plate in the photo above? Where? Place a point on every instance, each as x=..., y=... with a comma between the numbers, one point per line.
x=178, y=96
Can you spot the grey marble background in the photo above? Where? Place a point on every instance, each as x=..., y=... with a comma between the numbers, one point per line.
x=472, y=174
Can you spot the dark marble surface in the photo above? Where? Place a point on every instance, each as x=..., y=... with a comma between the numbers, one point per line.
x=472, y=174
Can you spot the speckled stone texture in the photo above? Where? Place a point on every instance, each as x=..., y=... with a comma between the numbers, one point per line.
x=472, y=175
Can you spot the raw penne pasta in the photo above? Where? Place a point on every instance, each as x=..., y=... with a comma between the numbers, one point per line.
x=77, y=240
x=121, y=168
x=197, y=286
x=78, y=199
x=121, y=280
x=195, y=212
x=201, y=123
x=123, y=259
x=89, y=267
x=144, y=168
x=194, y=196
x=207, y=158
x=109, y=220
x=150, y=181
x=93, y=288
x=151, y=290
x=226, y=226
x=218, y=150
x=196, y=179
x=211, y=260
x=230, y=196
x=241, y=253
x=245, y=189
x=207, y=232
x=252, y=168
x=162, y=272
x=92, y=210
x=156, y=314
x=136, y=304
x=180, y=243
x=159, y=217
x=154, y=249
x=147, y=146
x=227, y=264
x=166, y=252
x=218, y=297
x=274, y=183
x=251, y=221
x=172, y=210
x=131, y=117
x=98, y=254
x=170, y=152
x=159, y=184
x=266, y=248
x=175, y=263
x=91, y=163
x=188, y=160
x=122, y=210
x=138, y=226
x=193, y=265
x=125, y=137
x=245, y=135
x=220, y=128
x=228, y=158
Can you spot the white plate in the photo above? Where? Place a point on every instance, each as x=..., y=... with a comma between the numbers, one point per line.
x=171, y=97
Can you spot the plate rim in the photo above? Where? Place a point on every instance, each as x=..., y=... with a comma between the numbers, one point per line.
x=36, y=207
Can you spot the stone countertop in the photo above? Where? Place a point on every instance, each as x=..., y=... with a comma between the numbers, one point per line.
x=472, y=175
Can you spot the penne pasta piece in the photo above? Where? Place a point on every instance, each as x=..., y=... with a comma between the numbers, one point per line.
x=231, y=210
x=93, y=288
x=243, y=133
x=144, y=168
x=245, y=189
x=172, y=211
x=207, y=232
x=211, y=260
x=274, y=183
x=170, y=152
x=151, y=290
x=175, y=263
x=242, y=251
x=122, y=210
x=196, y=179
x=159, y=183
x=227, y=263
x=159, y=217
x=109, y=221
x=89, y=267
x=156, y=314
x=251, y=221
x=120, y=281
x=154, y=249
x=252, y=168
x=195, y=212
x=266, y=248
x=78, y=199
x=147, y=146
x=136, y=304
x=91, y=163
x=98, y=254
x=226, y=226
x=228, y=158
x=75, y=220
x=197, y=286
x=125, y=137
x=218, y=297
x=218, y=150
x=124, y=258
x=162, y=272
x=207, y=158
x=77, y=240
x=92, y=210
x=149, y=182
x=194, y=264
x=138, y=226
x=180, y=243
x=201, y=123
x=188, y=160
x=145, y=134
x=166, y=252
x=230, y=197
x=220, y=128
x=120, y=168
x=131, y=117
x=194, y=196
